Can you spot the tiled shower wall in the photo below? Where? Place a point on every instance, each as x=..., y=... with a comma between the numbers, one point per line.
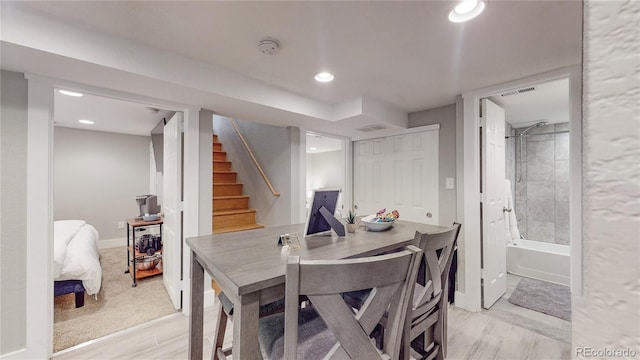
x=542, y=195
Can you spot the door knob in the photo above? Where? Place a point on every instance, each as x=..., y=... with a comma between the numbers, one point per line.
x=506, y=209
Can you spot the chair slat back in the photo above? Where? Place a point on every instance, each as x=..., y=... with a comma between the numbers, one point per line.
x=435, y=264
x=391, y=278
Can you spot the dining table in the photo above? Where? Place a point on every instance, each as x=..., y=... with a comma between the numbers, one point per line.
x=249, y=267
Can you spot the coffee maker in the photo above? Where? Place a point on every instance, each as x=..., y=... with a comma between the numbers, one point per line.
x=148, y=204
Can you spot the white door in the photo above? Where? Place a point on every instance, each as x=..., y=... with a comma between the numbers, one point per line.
x=494, y=256
x=172, y=208
x=398, y=173
x=414, y=176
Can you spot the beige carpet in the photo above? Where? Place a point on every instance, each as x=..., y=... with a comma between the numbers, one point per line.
x=119, y=306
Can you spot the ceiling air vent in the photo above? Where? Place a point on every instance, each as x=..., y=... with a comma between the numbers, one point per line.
x=372, y=127
x=519, y=91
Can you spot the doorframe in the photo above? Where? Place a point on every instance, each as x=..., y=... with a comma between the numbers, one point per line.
x=469, y=293
x=39, y=241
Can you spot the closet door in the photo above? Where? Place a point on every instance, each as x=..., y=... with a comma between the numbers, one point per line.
x=398, y=173
x=414, y=173
x=370, y=182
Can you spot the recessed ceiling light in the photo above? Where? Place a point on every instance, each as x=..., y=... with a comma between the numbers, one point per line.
x=313, y=149
x=88, y=122
x=70, y=93
x=466, y=10
x=324, y=76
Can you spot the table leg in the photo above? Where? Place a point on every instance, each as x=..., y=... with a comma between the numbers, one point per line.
x=245, y=327
x=197, y=309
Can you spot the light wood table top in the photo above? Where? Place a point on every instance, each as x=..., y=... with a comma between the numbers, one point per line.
x=250, y=268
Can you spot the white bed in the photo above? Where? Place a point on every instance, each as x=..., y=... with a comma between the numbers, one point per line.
x=75, y=254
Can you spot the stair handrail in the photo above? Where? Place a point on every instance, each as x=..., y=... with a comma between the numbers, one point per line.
x=253, y=158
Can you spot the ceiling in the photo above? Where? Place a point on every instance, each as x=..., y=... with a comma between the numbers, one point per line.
x=108, y=114
x=390, y=58
x=547, y=101
x=317, y=143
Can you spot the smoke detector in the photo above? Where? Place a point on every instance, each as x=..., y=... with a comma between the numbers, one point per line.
x=268, y=46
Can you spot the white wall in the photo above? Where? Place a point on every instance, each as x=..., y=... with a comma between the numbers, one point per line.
x=608, y=313
x=97, y=176
x=325, y=170
x=13, y=211
x=446, y=117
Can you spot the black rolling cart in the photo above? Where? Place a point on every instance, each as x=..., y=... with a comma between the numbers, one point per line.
x=135, y=258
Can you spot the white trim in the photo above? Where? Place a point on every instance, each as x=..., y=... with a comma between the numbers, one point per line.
x=114, y=94
x=394, y=132
x=18, y=354
x=39, y=287
x=461, y=300
x=347, y=151
x=298, y=174
x=467, y=138
x=39, y=262
x=575, y=180
x=112, y=243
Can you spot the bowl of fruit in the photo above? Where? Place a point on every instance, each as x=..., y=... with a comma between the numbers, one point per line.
x=381, y=220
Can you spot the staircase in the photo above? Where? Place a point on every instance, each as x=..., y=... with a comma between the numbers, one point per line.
x=231, y=210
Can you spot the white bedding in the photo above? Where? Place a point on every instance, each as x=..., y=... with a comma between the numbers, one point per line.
x=82, y=259
x=63, y=232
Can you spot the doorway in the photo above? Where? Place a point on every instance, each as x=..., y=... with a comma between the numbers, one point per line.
x=469, y=292
x=103, y=158
x=326, y=167
x=39, y=242
x=533, y=179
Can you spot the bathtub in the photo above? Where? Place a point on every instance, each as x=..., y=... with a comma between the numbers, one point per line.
x=539, y=260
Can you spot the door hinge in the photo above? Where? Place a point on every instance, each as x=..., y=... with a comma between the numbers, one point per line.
x=483, y=274
x=483, y=198
x=181, y=285
x=181, y=206
x=482, y=122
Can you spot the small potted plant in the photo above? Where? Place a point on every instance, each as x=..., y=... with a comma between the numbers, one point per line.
x=351, y=221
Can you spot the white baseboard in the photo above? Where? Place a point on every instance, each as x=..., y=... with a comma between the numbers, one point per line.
x=111, y=243
x=209, y=298
x=18, y=354
x=462, y=301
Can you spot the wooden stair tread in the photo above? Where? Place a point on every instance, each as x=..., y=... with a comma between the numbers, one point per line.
x=230, y=197
x=223, y=230
x=233, y=212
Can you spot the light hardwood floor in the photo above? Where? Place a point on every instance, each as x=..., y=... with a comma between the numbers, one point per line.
x=471, y=336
